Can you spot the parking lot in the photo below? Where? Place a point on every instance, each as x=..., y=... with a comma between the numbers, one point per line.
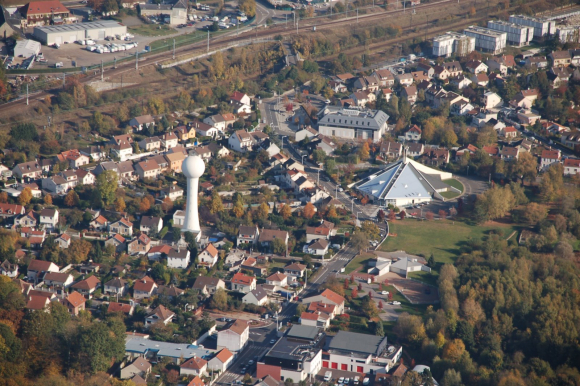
x=337, y=374
x=416, y=292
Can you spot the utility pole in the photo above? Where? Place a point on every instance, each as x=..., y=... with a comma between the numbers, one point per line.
x=63, y=79
x=115, y=59
x=102, y=71
x=208, y=40
x=121, y=81
x=137, y=61
x=298, y=19
x=26, y=94
x=173, y=49
x=357, y=15
x=286, y=16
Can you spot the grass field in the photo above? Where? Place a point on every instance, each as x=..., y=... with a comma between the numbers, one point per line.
x=442, y=238
x=359, y=261
x=152, y=30
x=453, y=182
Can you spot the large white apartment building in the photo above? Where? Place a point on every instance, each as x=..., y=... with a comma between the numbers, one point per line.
x=453, y=43
x=517, y=35
x=568, y=33
x=487, y=40
x=542, y=27
x=353, y=123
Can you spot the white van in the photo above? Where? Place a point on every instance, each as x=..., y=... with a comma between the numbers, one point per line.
x=327, y=376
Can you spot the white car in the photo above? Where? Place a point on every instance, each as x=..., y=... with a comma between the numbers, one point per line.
x=340, y=380
x=356, y=380
x=396, y=303
x=346, y=381
x=385, y=293
x=273, y=341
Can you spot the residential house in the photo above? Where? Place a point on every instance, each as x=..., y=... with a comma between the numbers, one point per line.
x=151, y=224
x=123, y=150
x=178, y=258
x=491, y=100
x=221, y=361
x=63, y=241
x=257, y=297
x=325, y=230
x=58, y=280
x=315, y=319
x=142, y=122
x=536, y=62
x=124, y=308
x=31, y=169
x=571, y=167
x=140, y=245
x=385, y=77
x=387, y=94
x=171, y=292
x=481, y=79
x=560, y=58
x=123, y=227
x=208, y=285
x=549, y=157
x=426, y=68
x=327, y=297
x=38, y=303
x=205, y=130
x=56, y=185
x=241, y=98
x=140, y=367
x=37, y=269
x=95, y=153
x=393, y=150
x=243, y=283
x=75, y=303
x=267, y=237
x=475, y=66
x=175, y=160
x=147, y=169
x=415, y=149
x=559, y=76
x=87, y=286
x=85, y=177
x=49, y=219
x=168, y=140
x=361, y=98
x=159, y=251
x=178, y=218
x=509, y=132
x=209, y=256
x=9, y=269
x=174, y=192
x=509, y=153
x=413, y=134
x=99, y=223
x=440, y=72
x=409, y=93
x=241, y=141
x=453, y=68
x=278, y=279
x=234, y=337
x=27, y=220
x=461, y=82
x=295, y=271
x=116, y=287
x=317, y=247
x=150, y=143
x=74, y=158
x=144, y=288
x=194, y=366
x=118, y=242
x=159, y=315
x=405, y=79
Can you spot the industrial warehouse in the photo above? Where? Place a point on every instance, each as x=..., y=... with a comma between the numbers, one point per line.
x=70, y=33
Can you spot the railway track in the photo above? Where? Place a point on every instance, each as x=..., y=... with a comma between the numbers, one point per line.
x=304, y=26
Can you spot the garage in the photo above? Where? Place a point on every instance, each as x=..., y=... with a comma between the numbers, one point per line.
x=325, y=364
x=334, y=365
x=344, y=367
x=98, y=30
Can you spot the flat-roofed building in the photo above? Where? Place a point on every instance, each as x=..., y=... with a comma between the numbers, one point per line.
x=70, y=33
x=453, y=43
x=517, y=35
x=542, y=27
x=487, y=40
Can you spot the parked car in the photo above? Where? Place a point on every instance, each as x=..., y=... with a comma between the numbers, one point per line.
x=340, y=380
x=385, y=293
x=396, y=303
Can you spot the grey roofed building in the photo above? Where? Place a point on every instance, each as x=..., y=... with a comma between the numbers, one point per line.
x=404, y=183
x=358, y=343
x=352, y=123
x=303, y=332
x=104, y=166
x=136, y=346
x=259, y=293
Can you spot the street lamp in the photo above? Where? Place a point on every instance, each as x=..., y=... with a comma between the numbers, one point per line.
x=357, y=215
x=304, y=155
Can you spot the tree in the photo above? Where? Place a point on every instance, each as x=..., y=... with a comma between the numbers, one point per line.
x=25, y=132
x=48, y=200
x=442, y=214
x=3, y=197
x=285, y=212
x=71, y=199
x=526, y=166
x=216, y=205
x=346, y=283
x=167, y=205
x=453, y=350
x=279, y=247
x=238, y=210
x=308, y=211
x=494, y=203
x=364, y=151
x=371, y=230
x=402, y=215
x=452, y=377
x=534, y=213
x=430, y=215
x=120, y=204
x=354, y=293
x=219, y=300
x=107, y=183
x=410, y=328
x=552, y=182
x=381, y=304
x=25, y=196
x=379, y=330
x=360, y=240
x=332, y=212
x=431, y=262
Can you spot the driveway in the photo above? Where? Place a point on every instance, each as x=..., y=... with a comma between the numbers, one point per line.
x=413, y=290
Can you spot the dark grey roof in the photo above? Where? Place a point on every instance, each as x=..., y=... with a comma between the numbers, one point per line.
x=355, y=342
x=259, y=293
x=178, y=254
x=303, y=332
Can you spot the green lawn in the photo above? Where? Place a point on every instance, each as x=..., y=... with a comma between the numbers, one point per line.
x=442, y=238
x=455, y=183
x=359, y=261
x=151, y=30
x=449, y=195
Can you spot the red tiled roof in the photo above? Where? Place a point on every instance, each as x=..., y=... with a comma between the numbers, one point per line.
x=195, y=363
x=239, y=326
x=76, y=299
x=37, y=302
x=332, y=296
x=224, y=355
x=43, y=7
x=119, y=307
x=572, y=162
x=88, y=284
x=550, y=154
x=240, y=278
x=309, y=316
x=146, y=284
